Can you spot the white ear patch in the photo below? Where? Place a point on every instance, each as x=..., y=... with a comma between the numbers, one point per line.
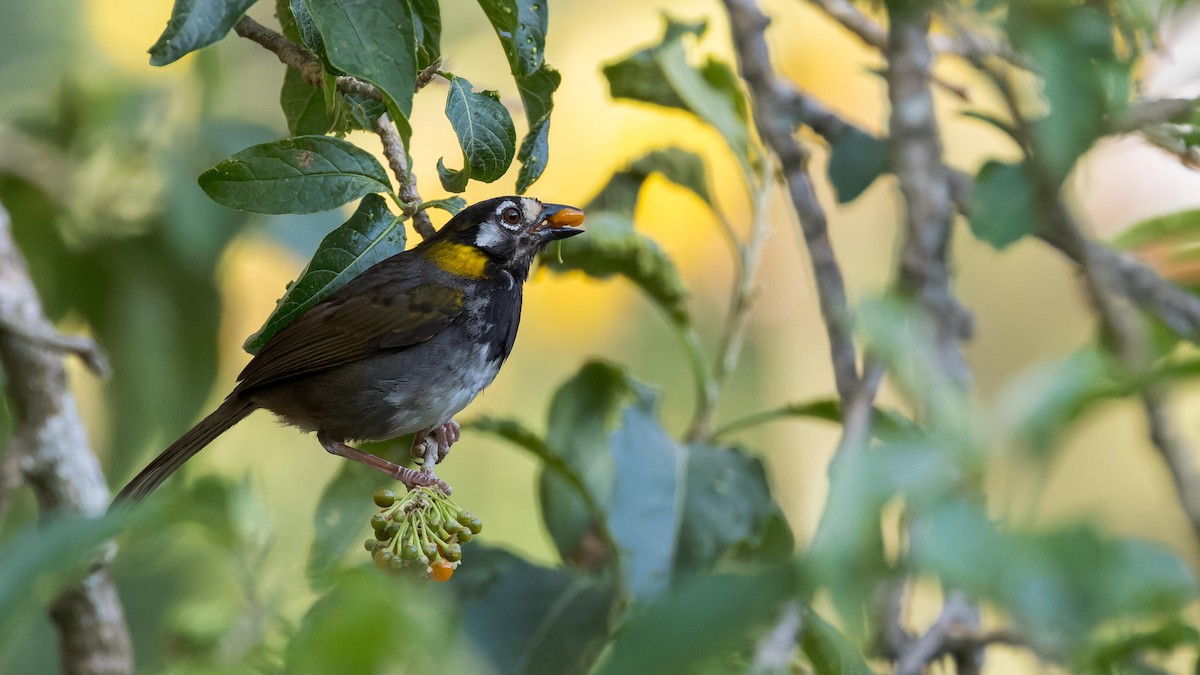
x=489, y=235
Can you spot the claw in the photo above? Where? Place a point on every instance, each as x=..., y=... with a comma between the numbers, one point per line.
x=444, y=436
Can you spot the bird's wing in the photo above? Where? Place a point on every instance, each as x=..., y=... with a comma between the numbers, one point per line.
x=365, y=317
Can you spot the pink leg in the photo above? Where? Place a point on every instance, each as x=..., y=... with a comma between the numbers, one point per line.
x=410, y=477
x=445, y=436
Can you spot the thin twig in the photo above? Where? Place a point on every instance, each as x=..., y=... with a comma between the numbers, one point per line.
x=393, y=149
x=958, y=618
x=51, y=448
x=84, y=348
x=776, y=650
x=772, y=98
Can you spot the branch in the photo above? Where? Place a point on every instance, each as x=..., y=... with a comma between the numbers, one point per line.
x=916, y=159
x=772, y=99
x=777, y=649
x=393, y=149
x=1176, y=453
x=55, y=460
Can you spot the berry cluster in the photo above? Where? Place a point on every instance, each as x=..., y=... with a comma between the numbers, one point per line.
x=421, y=532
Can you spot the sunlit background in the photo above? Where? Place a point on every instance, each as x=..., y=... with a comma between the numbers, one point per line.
x=1027, y=301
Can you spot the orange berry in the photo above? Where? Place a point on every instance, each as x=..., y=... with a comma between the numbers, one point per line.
x=441, y=570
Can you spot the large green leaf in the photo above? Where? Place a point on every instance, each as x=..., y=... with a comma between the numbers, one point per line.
x=529, y=619
x=376, y=42
x=485, y=134
x=583, y=414
x=372, y=234
x=306, y=174
x=647, y=501
x=195, y=24
x=612, y=247
x=727, y=506
x=537, y=92
x=1002, y=206
x=662, y=75
x=707, y=617
x=340, y=521
x=427, y=19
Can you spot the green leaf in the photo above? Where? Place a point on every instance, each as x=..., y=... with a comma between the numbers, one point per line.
x=1179, y=231
x=1126, y=652
x=887, y=423
x=427, y=20
x=1038, y=406
x=306, y=30
x=376, y=42
x=1002, y=204
x=306, y=174
x=537, y=91
x=727, y=506
x=528, y=619
x=453, y=180
x=521, y=27
x=646, y=504
x=705, y=617
x=195, y=24
x=681, y=167
x=46, y=549
x=340, y=522
x=372, y=234
x=662, y=75
x=611, y=247
x=583, y=414
x=303, y=106
x=856, y=159
x=451, y=205
x=827, y=650
x=485, y=133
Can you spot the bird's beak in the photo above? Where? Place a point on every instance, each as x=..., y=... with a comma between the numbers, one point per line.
x=559, y=222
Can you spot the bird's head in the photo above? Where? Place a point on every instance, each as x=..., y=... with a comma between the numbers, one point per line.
x=511, y=230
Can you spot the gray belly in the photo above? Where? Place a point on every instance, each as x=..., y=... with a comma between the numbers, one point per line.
x=388, y=395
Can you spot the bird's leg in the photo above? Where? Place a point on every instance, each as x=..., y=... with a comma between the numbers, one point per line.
x=410, y=477
x=445, y=436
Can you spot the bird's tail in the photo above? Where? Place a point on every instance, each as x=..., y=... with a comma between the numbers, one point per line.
x=229, y=413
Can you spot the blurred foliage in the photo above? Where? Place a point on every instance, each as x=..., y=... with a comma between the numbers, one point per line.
x=673, y=553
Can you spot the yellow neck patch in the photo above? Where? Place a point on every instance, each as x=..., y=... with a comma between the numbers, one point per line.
x=459, y=259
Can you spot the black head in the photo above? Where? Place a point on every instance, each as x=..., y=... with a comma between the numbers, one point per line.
x=511, y=230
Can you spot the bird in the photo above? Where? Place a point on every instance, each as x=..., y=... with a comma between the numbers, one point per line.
x=401, y=348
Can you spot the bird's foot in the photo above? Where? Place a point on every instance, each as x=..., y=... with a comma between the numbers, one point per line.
x=411, y=478
x=443, y=436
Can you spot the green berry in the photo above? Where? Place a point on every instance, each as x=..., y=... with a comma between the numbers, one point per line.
x=378, y=521
x=381, y=535
x=371, y=545
x=383, y=558
x=464, y=518
x=434, y=519
x=453, y=553
x=430, y=550
x=396, y=564
x=384, y=497
x=475, y=525
x=409, y=552
x=391, y=529
x=465, y=536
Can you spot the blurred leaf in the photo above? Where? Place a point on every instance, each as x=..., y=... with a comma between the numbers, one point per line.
x=611, y=247
x=1169, y=244
x=295, y=175
x=886, y=423
x=451, y=205
x=856, y=159
x=705, y=617
x=1084, y=80
x=195, y=24
x=583, y=414
x=427, y=20
x=521, y=27
x=1037, y=407
x=485, y=133
x=1002, y=209
x=827, y=650
x=375, y=42
x=1059, y=584
x=371, y=623
x=303, y=106
x=647, y=500
x=530, y=619
x=340, y=522
x=662, y=75
x=46, y=549
x=620, y=194
x=1126, y=652
x=371, y=235
x=727, y=505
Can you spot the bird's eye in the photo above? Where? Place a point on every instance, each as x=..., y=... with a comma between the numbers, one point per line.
x=511, y=215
